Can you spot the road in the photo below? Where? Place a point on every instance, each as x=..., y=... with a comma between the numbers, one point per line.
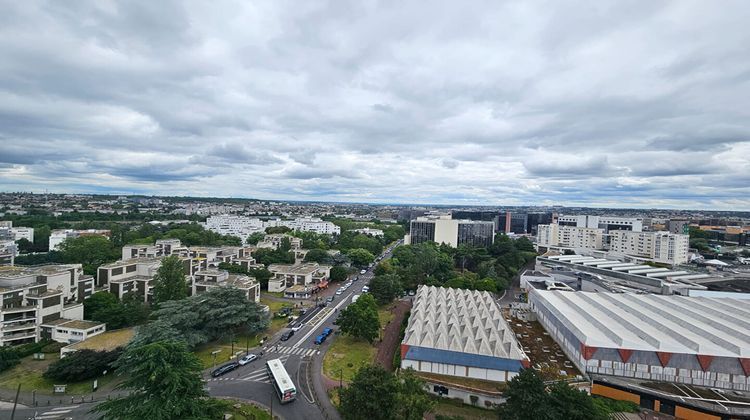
x=301, y=357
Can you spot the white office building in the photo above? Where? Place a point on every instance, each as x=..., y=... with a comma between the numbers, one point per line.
x=606, y=223
x=664, y=247
x=555, y=235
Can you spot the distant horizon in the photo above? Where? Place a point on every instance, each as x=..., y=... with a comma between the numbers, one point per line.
x=448, y=205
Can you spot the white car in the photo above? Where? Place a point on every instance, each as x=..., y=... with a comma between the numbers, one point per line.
x=247, y=359
x=365, y=289
x=363, y=272
x=297, y=327
x=338, y=292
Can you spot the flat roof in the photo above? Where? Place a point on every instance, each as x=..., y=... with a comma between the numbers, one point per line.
x=670, y=323
x=105, y=341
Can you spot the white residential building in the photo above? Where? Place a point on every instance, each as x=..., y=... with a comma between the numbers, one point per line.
x=57, y=236
x=307, y=224
x=23, y=233
x=211, y=278
x=239, y=226
x=7, y=252
x=71, y=331
x=368, y=231
x=31, y=297
x=555, y=235
x=306, y=274
x=664, y=247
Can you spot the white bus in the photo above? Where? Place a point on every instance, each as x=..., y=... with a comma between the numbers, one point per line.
x=281, y=381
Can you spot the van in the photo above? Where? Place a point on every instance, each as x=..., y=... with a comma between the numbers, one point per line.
x=320, y=339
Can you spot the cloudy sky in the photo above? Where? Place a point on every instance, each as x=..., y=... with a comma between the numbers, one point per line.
x=621, y=103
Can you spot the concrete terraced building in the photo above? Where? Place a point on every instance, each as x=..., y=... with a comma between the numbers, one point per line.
x=457, y=332
x=693, y=340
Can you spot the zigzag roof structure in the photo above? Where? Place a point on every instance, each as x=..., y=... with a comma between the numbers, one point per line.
x=460, y=320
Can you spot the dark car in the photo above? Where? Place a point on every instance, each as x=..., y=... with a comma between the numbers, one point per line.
x=330, y=299
x=225, y=369
x=287, y=335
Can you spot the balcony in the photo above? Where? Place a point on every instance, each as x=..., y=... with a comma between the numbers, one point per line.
x=14, y=320
x=19, y=327
x=18, y=336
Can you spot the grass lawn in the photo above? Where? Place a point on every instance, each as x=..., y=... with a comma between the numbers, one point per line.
x=29, y=374
x=347, y=354
x=243, y=411
x=385, y=314
x=456, y=410
x=241, y=341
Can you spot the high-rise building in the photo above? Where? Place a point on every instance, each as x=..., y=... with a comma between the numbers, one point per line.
x=444, y=229
x=607, y=223
x=554, y=235
x=664, y=247
x=679, y=226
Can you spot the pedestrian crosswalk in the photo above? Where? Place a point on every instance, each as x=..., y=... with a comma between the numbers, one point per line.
x=299, y=351
x=56, y=413
x=261, y=375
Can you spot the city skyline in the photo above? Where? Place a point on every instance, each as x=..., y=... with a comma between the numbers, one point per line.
x=626, y=105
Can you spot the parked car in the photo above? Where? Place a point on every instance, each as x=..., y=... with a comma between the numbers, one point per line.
x=287, y=335
x=338, y=292
x=327, y=331
x=297, y=327
x=320, y=339
x=365, y=289
x=363, y=272
x=225, y=369
x=330, y=299
x=247, y=359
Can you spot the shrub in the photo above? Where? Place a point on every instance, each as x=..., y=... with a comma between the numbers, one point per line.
x=8, y=358
x=53, y=347
x=82, y=365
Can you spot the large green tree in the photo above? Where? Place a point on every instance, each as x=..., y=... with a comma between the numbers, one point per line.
x=360, y=256
x=385, y=288
x=81, y=365
x=90, y=251
x=372, y=395
x=169, y=281
x=339, y=273
x=360, y=319
x=209, y=316
x=320, y=256
x=527, y=398
x=413, y=399
x=567, y=403
x=163, y=381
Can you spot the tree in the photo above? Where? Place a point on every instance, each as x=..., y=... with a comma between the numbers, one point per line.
x=164, y=382
x=360, y=319
x=319, y=256
x=385, y=288
x=24, y=245
x=254, y=238
x=571, y=404
x=97, y=302
x=524, y=244
x=360, y=257
x=526, y=398
x=169, y=281
x=372, y=395
x=412, y=398
x=339, y=273
x=41, y=238
x=82, y=365
x=90, y=251
x=384, y=267
x=9, y=357
x=277, y=229
x=209, y=316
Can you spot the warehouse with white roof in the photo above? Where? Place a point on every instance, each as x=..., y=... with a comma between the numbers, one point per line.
x=462, y=333
x=695, y=340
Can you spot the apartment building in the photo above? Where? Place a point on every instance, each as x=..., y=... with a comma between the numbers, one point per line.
x=239, y=226
x=207, y=279
x=161, y=248
x=38, y=295
x=10, y=233
x=369, y=231
x=134, y=275
x=555, y=235
x=306, y=274
x=274, y=241
x=606, y=223
x=664, y=247
x=306, y=224
x=441, y=228
x=57, y=236
x=7, y=252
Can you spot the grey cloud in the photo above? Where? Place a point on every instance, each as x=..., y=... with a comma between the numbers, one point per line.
x=320, y=101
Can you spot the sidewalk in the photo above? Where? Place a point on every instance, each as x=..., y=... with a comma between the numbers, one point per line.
x=321, y=385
